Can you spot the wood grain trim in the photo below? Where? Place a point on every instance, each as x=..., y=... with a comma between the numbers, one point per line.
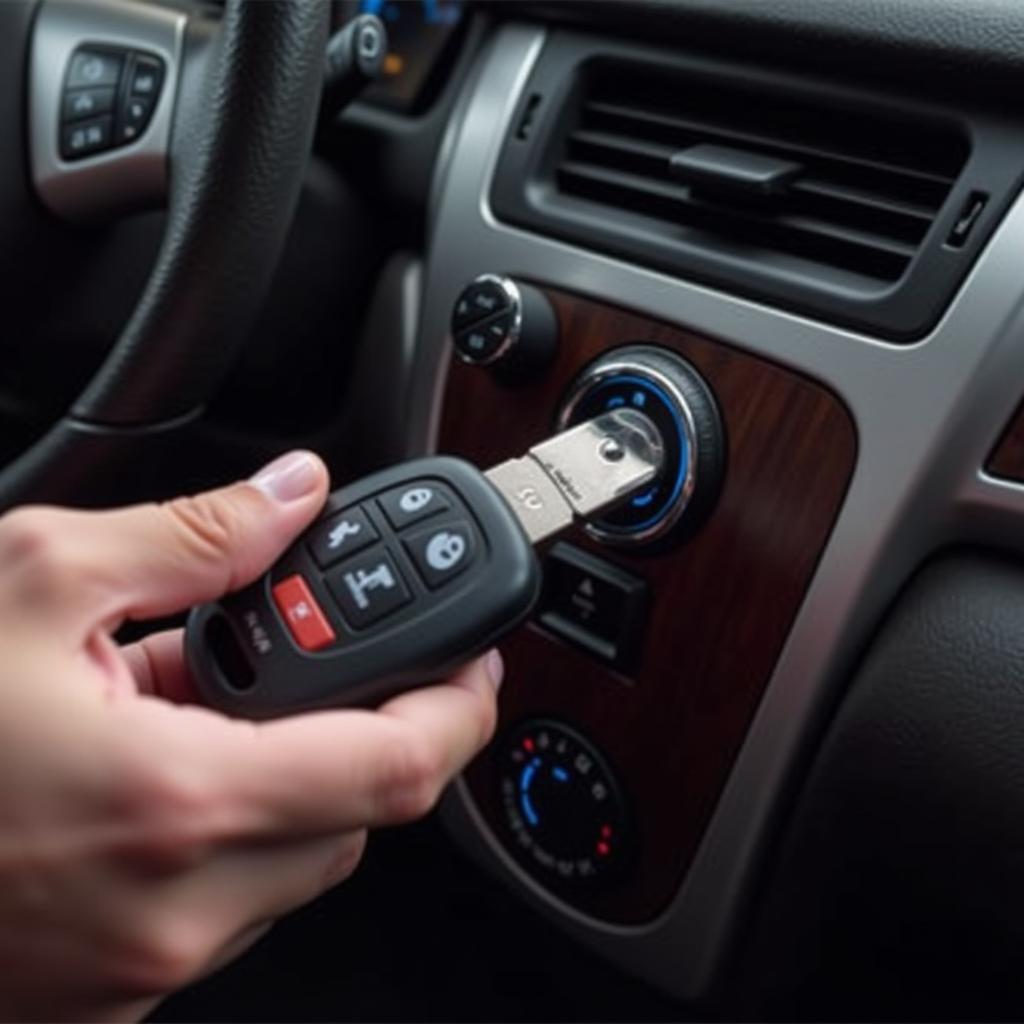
x=723, y=602
x=1007, y=458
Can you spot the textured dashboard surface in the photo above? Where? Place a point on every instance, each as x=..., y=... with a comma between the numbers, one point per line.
x=897, y=38
x=900, y=884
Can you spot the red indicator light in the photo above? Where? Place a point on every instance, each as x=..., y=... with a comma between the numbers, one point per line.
x=606, y=831
x=528, y=745
x=603, y=848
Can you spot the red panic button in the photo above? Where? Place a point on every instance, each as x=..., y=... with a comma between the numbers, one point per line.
x=305, y=619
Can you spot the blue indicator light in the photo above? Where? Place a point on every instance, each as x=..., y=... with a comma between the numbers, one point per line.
x=643, y=500
x=639, y=399
x=561, y=774
x=615, y=402
x=524, y=792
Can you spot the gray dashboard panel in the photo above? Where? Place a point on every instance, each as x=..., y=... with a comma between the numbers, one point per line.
x=926, y=414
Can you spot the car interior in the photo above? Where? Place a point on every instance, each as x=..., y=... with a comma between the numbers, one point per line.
x=761, y=743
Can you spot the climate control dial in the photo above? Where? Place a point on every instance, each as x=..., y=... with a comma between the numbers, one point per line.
x=565, y=814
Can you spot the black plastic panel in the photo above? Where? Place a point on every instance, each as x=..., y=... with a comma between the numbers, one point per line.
x=898, y=294
x=898, y=893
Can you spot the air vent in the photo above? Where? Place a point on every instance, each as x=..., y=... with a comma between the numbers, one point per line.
x=861, y=197
x=801, y=193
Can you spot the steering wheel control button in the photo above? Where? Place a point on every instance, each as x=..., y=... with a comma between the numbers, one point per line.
x=302, y=615
x=95, y=86
x=441, y=551
x=90, y=68
x=340, y=536
x=505, y=324
x=88, y=103
x=594, y=605
x=134, y=118
x=566, y=817
x=368, y=588
x=85, y=137
x=672, y=393
x=147, y=77
x=409, y=504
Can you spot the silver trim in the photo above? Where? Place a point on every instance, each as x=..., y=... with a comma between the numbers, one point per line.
x=130, y=177
x=515, y=304
x=609, y=366
x=927, y=416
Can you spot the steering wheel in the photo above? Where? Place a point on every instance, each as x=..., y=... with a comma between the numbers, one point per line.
x=228, y=120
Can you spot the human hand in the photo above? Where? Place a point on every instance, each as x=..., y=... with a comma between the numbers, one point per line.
x=145, y=840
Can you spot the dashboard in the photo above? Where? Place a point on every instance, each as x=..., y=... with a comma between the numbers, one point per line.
x=636, y=801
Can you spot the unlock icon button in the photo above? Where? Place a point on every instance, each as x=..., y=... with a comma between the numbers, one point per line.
x=442, y=551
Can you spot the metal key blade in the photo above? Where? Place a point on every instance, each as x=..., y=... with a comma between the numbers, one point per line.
x=580, y=472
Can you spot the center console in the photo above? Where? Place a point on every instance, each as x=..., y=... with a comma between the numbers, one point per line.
x=659, y=707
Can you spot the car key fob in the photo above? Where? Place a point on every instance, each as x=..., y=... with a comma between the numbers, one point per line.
x=408, y=573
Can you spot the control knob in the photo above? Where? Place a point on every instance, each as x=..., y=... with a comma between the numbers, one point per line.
x=504, y=324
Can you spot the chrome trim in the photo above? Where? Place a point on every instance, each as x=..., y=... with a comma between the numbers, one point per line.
x=609, y=366
x=927, y=416
x=129, y=177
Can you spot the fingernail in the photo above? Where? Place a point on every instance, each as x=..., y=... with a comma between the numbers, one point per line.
x=289, y=477
x=494, y=665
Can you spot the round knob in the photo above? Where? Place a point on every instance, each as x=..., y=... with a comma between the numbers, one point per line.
x=674, y=395
x=564, y=811
x=504, y=324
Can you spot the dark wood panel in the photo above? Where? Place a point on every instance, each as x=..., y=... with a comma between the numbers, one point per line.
x=1007, y=458
x=722, y=605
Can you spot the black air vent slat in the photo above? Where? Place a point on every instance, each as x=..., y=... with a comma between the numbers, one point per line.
x=678, y=132
x=868, y=251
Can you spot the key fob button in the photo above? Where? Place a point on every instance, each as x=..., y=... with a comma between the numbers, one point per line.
x=441, y=551
x=368, y=587
x=340, y=536
x=412, y=502
x=304, y=617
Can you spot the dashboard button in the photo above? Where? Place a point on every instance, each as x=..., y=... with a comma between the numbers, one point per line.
x=90, y=68
x=593, y=604
x=87, y=103
x=478, y=301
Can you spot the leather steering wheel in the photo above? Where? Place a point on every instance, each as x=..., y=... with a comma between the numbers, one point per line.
x=226, y=147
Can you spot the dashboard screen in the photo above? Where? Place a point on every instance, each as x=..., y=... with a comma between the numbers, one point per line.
x=419, y=32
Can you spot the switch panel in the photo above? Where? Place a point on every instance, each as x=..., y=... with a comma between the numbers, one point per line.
x=108, y=99
x=594, y=605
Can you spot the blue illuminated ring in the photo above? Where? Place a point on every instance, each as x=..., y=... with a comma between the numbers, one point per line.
x=620, y=366
x=684, y=446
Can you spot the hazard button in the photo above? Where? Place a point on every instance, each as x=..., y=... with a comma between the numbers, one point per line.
x=594, y=604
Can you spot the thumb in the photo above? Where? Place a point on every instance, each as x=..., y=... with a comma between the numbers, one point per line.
x=151, y=560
